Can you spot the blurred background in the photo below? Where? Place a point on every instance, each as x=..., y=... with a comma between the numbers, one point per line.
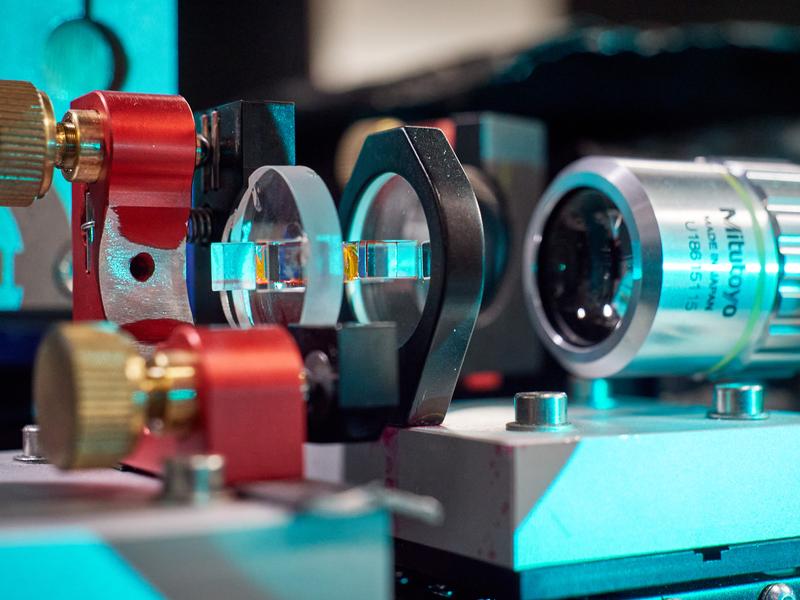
x=647, y=78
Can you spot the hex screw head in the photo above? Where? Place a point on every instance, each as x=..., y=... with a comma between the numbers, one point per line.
x=738, y=401
x=539, y=411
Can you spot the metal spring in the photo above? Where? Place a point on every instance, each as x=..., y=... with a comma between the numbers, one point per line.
x=200, y=226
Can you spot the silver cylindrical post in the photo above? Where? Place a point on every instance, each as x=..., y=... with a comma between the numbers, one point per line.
x=194, y=479
x=31, y=453
x=539, y=411
x=738, y=401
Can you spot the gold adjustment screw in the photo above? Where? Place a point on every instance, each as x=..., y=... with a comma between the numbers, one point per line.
x=32, y=144
x=94, y=394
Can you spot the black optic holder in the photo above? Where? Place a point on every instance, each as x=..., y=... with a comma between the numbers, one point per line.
x=430, y=360
x=351, y=372
x=242, y=136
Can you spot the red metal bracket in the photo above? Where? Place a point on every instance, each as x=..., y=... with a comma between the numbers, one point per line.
x=134, y=217
x=252, y=408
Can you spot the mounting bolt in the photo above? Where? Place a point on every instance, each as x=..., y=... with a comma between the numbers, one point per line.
x=742, y=401
x=194, y=478
x=30, y=446
x=777, y=591
x=539, y=411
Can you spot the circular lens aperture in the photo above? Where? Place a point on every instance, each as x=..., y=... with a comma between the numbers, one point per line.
x=389, y=209
x=584, y=269
x=289, y=266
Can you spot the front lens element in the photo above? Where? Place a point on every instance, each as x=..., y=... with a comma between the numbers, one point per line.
x=584, y=269
x=281, y=262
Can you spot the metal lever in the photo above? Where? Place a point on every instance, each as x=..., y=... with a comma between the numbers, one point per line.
x=328, y=499
x=374, y=495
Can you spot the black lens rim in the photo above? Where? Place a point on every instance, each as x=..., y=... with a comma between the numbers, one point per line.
x=616, y=178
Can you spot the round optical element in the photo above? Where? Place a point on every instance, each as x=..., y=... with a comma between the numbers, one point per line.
x=660, y=268
x=281, y=257
x=390, y=209
x=584, y=267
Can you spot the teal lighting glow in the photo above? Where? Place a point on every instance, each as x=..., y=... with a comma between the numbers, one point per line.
x=10, y=245
x=181, y=395
x=69, y=565
x=356, y=234
x=275, y=561
x=233, y=266
x=277, y=265
x=37, y=42
x=630, y=495
x=282, y=116
x=394, y=259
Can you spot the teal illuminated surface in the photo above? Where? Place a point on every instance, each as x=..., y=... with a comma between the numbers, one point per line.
x=70, y=47
x=53, y=46
x=146, y=31
x=281, y=265
x=394, y=259
x=284, y=123
x=181, y=395
x=646, y=478
x=10, y=245
x=277, y=560
x=637, y=494
x=68, y=564
x=233, y=266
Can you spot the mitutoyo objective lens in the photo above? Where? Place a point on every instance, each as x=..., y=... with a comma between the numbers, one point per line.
x=647, y=268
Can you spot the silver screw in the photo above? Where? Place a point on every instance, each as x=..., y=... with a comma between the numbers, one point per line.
x=30, y=446
x=194, y=478
x=539, y=411
x=320, y=373
x=738, y=401
x=777, y=591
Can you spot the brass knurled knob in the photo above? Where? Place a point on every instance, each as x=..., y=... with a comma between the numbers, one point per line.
x=27, y=143
x=89, y=406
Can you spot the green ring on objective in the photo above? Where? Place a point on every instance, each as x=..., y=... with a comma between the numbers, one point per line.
x=755, y=311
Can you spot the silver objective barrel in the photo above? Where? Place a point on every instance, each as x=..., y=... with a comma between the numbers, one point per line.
x=645, y=267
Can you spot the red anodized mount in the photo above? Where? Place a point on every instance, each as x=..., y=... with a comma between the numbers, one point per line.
x=134, y=217
x=249, y=390
x=248, y=384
